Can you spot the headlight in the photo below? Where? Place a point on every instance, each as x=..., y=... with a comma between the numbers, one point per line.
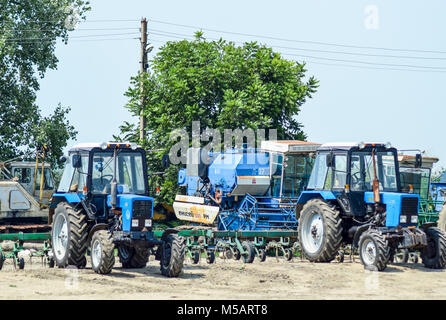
x=403, y=219
x=147, y=223
x=135, y=222
x=414, y=219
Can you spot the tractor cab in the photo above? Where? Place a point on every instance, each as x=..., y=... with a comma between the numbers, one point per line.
x=109, y=178
x=361, y=178
x=102, y=203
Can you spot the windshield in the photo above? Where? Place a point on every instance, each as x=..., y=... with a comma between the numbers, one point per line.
x=362, y=173
x=417, y=178
x=129, y=172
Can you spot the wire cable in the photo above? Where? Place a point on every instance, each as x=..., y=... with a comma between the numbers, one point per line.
x=296, y=40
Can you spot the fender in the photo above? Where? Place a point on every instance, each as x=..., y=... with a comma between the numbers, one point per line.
x=96, y=227
x=169, y=231
x=309, y=195
x=163, y=237
x=427, y=225
x=68, y=197
x=358, y=233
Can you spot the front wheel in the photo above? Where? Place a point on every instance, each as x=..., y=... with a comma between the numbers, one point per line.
x=373, y=250
x=210, y=257
x=434, y=254
x=250, y=252
x=172, y=255
x=102, y=252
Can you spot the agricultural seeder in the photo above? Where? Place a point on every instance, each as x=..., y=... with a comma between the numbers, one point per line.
x=246, y=198
x=352, y=198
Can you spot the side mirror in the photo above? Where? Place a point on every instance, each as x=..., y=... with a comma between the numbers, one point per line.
x=418, y=160
x=77, y=161
x=329, y=160
x=165, y=161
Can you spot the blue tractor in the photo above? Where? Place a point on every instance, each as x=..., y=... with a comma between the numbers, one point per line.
x=354, y=197
x=102, y=204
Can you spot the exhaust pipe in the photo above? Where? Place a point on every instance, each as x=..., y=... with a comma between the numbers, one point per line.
x=114, y=184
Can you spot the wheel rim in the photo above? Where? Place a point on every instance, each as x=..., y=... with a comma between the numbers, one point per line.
x=60, y=236
x=96, y=252
x=399, y=256
x=313, y=232
x=368, y=252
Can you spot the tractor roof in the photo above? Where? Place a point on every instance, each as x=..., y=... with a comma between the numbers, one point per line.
x=90, y=145
x=289, y=146
x=349, y=145
x=27, y=164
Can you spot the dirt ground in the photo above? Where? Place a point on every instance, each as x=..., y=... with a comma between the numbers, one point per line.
x=226, y=279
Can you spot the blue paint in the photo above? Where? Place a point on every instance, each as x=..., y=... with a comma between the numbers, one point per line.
x=305, y=196
x=125, y=202
x=393, y=201
x=68, y=197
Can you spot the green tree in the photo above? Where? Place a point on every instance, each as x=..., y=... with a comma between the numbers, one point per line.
x=222, y=86
x=28, y=34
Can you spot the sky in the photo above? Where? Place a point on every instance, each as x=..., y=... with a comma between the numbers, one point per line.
x=380, y=63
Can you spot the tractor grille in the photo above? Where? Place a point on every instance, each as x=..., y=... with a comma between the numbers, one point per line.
x=142, y=208
x=142, y=211
x=409, y=207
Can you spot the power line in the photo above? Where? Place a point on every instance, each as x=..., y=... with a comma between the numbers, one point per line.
x=299, y=41
x=71, y=37
x=80, y=29
x=368, y=62
x=177, y=35
x=372, y=68
x=84, y=21
x=322, y=51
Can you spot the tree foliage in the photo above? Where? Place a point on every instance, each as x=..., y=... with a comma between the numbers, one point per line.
x=29, y=30
x=223, y=86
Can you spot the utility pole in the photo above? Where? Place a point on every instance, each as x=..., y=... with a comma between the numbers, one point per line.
x=144, y=65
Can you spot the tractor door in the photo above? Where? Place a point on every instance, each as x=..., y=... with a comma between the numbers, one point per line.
x=358, y=178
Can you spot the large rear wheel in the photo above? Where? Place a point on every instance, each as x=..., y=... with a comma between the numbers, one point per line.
x=320, y=231
x=133, y=257
x=69, y=236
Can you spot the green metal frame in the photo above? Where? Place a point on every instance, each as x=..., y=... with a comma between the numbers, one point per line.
x=280, y=241
x=19, y=239
x=427, y=212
